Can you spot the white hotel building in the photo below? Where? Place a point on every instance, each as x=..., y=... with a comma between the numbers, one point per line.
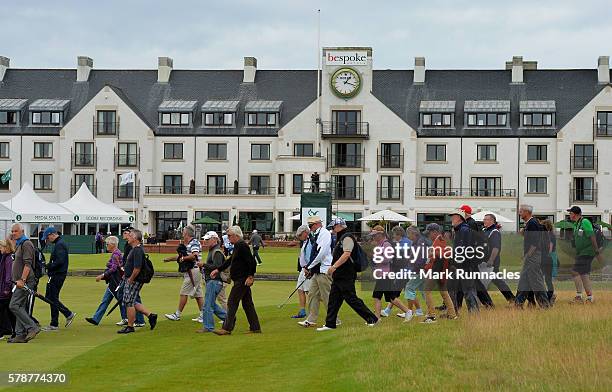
x=244, y=143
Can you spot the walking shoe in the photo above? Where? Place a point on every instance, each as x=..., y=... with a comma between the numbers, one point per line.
x=122, y=323
x=589, y=299
x=401, y=315
x=173, y=317
x=372, y=324
x=408, y=316
x=126, y=329
x=306, y=324
x=91, y=320
x=17, y=339
x=138, y=325
x=324, y=328
x=384, y=313
x=221, y=332
x=338, y=322
x=429, y=320
x=577, y=301
x=419, y=312
x=553, y=299
x=32, y=334
x=152, y=320
x=50, y=328
x=198, y=320
x=70, y=319
x=301, y=314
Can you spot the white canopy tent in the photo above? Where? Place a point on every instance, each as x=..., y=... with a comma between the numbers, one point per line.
x=500, y=219
x=87, y=209
x=387, y=216
x=28, y=207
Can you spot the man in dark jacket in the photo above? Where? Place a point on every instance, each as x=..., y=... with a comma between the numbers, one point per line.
x=57, y=269
x=462, y=242
x=242, y=273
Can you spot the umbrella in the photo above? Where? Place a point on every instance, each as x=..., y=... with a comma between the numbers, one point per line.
x=386, y=215
x=604, y=224
x=500, y=219
x=564, y=225
x=206, y=220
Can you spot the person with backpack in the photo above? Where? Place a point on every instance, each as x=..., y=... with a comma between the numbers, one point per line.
x=348, y=258
x=464, y=287
x=192, y=277
x=135, y=265
x=57, y=269
x=493, y=253
x=384, y=286
x=587, y=247
x=23, y=275
x=317, y=264
x=214, y=285
x=242, y=272
x=140, y=322
x=531, y=278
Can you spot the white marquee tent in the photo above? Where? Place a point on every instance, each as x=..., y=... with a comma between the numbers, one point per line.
x=28, y=207
x=87, y=209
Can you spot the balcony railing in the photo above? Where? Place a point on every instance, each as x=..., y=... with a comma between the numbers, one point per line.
x=208, y=191
x=345, y=160
x=103, y=128
x=390, y=193
x=83, y=160
x=584, y=196
x=127, y=160
x=92, y=188
x=391, y=161
x=602, y=130
x=583, y=163
x=337, y=192
x=464, y=192
x=345, y=129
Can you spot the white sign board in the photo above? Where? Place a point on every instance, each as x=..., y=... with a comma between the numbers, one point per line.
x=321, y=212
x=355, y=57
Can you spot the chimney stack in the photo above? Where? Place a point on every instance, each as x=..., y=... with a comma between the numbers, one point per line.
x=4, y=65
x=164, y=68
x=84, y=66
x=603, y=70
x=517, y=69
x=250, y=69
x=419, y=70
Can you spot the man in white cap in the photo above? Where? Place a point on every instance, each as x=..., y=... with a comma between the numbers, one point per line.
x=343, y=276
x=213, y=285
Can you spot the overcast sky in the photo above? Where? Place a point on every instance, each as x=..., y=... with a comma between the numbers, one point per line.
x=283, y=34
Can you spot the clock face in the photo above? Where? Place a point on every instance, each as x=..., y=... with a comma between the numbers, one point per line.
x=346, y=82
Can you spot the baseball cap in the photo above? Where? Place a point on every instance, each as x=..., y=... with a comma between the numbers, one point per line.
x=49, y=230
x=467, y=209
x=130, y=228
x=301, y=229
x=459, y=212
x=575, y=210
x=336, y=221
x=211, y=234
x=254, y=231
x=433, y=227
x=313, y=219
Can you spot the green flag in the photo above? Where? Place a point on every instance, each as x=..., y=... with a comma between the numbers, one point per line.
x=6, y=177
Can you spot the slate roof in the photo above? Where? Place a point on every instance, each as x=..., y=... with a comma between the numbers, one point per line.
x=570, y=90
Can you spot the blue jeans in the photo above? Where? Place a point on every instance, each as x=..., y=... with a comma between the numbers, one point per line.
x=213, y=287
x=106, y=301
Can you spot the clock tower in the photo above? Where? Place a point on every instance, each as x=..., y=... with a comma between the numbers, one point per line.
x=347, y=74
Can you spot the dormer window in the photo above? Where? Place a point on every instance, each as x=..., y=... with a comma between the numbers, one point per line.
x=437, y=114
x=10, y=110
x=219, y=113
x=263, y=113
x=176, y=113
x=487, y=113
x=538, y=113
x=48, y=112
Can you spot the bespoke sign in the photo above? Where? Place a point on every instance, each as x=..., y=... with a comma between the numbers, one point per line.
x=337, y=57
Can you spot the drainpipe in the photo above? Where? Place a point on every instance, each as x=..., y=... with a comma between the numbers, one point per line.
x=461, y=166
x=518, y=183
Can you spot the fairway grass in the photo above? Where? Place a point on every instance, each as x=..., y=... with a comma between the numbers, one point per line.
x=565, y=348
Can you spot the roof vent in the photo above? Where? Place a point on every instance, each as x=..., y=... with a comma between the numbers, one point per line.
x=603, y=70
x=419, y=70
x=4, y=65
x=84, y=66
x=250, y=69
x=164, y=68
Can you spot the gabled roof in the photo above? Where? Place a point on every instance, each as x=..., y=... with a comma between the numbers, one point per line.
x=12, y=103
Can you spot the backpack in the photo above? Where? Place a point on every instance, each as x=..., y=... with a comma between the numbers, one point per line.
x=599, y=235
x=225, y=274
x=147, y=271
x=358, y=256
x=40, y=267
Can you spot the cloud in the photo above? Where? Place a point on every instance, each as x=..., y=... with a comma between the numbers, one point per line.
x=282, y=34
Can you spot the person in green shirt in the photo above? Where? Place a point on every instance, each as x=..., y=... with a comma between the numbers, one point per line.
x=586, y=249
